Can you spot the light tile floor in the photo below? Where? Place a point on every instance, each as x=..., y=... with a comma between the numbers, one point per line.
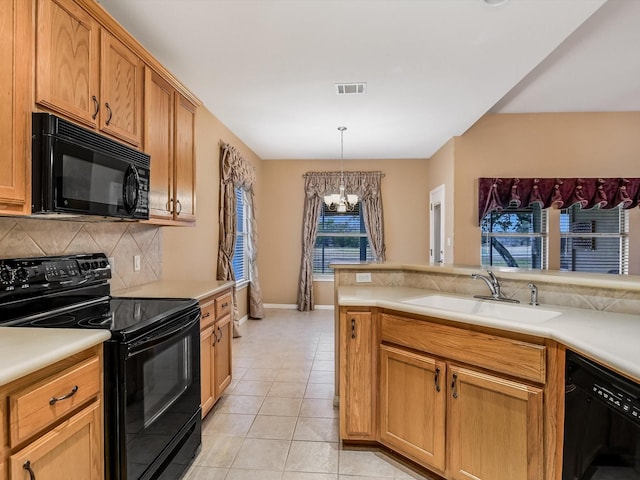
x=276, y=420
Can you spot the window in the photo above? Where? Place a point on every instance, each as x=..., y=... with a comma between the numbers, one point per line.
x=594, y=240
x=341, y=238
x=240, y=262
x=515, y=238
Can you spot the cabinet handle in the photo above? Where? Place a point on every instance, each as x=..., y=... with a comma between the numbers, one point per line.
x=225, y=304
x=110, y=113
x=27, y=467
x=73, y=391
x=353, y=328
x=219, y=339
x=179, y=205
x=96, y=104
x=437, y=380
x=454, y=386
x=169, y=206
x=206, y=315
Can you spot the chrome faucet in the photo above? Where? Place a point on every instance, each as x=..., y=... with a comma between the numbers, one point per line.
x=534, y=294
x=494, y=287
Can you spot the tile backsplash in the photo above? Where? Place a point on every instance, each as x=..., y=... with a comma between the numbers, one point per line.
x=120, y=241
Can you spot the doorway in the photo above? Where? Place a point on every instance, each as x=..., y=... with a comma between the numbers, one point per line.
x=437, y=224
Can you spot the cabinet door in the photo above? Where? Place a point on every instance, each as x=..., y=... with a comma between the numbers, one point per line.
x=495, y=427
x=71, y=451
x=158, y=142
x=206, y=369
x=222, y=352
x=67, y=53
x=15, y=106
x=412, y=405
x=185, y=160
x=121, y=83
x=358, y=376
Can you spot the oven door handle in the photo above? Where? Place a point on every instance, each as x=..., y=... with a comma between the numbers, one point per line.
x=158, y=337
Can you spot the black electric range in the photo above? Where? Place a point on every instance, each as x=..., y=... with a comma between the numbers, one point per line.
x=151, y=363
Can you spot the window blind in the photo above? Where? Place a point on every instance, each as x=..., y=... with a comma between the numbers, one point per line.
x=594, y=240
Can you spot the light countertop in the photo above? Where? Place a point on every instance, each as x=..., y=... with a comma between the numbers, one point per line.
x=25, y=350
x=175, y=289
x=611, y=338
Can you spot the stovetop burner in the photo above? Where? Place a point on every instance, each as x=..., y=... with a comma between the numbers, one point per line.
x=59, y=321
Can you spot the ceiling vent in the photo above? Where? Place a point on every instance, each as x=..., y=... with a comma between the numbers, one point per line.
x=351, y=88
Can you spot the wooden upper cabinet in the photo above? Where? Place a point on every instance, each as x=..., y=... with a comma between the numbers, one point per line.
x=185, y=160
x=67, y=60
x=169, y=139
x=86, y=74
x=15, y=107
x=158, y=143
x=121, y=83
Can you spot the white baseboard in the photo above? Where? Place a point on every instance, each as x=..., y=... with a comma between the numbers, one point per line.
x=243, y=319
x=289, y=306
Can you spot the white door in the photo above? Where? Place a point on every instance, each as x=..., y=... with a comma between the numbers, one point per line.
x=436, y=230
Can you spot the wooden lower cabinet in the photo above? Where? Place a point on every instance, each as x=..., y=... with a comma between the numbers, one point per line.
x=207, y=365
x=70, y=451
x=436, y=393
x=412, y=405
x=53, y=422
x=222, y=355
x=358, y=375
x=215, y=348
x=494, y=427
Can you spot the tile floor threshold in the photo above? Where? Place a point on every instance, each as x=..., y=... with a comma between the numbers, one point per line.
x=276, y=421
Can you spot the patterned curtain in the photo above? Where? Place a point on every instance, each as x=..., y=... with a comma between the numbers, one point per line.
x=237, y=172
x=318, y=184
x=500, y=193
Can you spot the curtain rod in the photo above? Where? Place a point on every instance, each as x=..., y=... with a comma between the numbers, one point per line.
x=305, y=175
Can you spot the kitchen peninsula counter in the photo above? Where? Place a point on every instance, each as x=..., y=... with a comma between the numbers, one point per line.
x=610, y=338
x=198, y=289
x=26, y=350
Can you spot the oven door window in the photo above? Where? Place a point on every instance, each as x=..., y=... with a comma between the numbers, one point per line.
x=162, y=393
x=87, y=181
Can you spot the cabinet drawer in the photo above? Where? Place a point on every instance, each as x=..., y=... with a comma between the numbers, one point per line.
x=207, y=315
x=37, y=406
x=223, y=305
x=500, y=354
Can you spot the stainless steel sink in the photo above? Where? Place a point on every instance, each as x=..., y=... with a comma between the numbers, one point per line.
x=485, y=308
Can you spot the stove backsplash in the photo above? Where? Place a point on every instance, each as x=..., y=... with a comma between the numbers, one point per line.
x=120, y=241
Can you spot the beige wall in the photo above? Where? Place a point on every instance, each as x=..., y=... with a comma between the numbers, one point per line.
x=538, y=145
x=192, y=252
x=405, y=196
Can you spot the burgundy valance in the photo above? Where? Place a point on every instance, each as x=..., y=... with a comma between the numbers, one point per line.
x=500, y=193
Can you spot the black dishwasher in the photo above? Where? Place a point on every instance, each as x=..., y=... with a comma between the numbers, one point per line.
x=602, y=423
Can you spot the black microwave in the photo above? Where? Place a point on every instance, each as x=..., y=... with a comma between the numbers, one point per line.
x=77, y=171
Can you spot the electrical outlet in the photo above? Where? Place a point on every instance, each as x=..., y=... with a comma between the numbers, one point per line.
x=136, y=263
x=363, y=277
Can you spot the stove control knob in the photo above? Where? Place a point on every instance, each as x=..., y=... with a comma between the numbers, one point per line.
x=6, y=276
x=21, y=275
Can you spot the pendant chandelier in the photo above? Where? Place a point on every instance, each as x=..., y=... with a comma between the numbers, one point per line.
x=341, y=202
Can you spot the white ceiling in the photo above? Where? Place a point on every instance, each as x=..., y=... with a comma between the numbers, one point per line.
x=267, y=68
